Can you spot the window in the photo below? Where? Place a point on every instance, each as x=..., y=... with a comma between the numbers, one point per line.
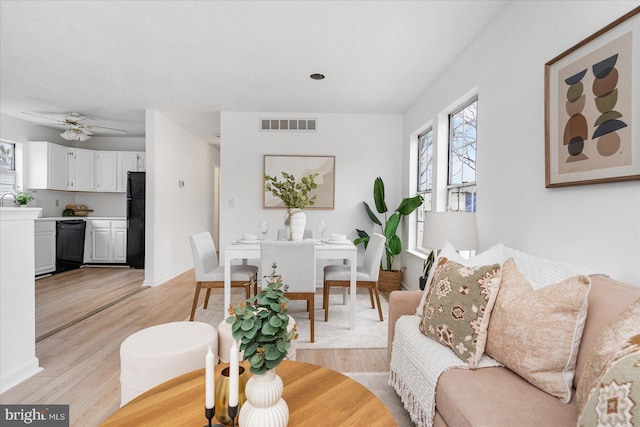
x=7, y=167
x=425, y=178
x=461, y=184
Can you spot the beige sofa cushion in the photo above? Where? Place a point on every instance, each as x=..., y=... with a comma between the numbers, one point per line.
x=497, y=397
x=614, y=336
x=458, y=307
x=537, y=333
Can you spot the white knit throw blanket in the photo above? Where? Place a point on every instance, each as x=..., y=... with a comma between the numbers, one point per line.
x=415, y=377
x=418, y=361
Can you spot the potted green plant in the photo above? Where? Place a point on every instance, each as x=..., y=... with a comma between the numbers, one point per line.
x=21, y=198
x=261, y=326
x=295, y=196
x=426, y=268
x=389, y=279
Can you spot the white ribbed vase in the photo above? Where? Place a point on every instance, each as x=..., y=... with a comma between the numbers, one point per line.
x=264, y=406
x=297, y=220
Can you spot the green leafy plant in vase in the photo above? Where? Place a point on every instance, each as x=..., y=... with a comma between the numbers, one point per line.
x=295, y=195
x=261, y=325
x=23, y=197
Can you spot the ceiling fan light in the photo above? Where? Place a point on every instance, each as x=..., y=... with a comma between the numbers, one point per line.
x=83, y=136
x=69, y=135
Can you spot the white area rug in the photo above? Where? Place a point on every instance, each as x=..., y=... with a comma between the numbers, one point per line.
x=370, y=332
x=378, y=384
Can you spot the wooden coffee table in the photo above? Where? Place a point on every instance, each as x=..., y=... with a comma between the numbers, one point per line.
x=316, y=396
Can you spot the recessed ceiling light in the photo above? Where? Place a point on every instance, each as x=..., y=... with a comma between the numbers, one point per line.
x=317, y=76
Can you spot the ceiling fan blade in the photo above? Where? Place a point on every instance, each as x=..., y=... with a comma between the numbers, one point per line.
x=104, y=127
x=43, y=117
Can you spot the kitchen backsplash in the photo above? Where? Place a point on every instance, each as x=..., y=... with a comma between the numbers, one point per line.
x=103, y=204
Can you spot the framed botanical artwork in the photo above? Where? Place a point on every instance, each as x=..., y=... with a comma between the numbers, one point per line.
x=592, y=108
x=300, y=166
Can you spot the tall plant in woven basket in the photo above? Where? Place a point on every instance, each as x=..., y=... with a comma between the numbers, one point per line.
x=389, y=279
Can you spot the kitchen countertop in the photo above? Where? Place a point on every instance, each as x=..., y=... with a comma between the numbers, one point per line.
x=72, y=218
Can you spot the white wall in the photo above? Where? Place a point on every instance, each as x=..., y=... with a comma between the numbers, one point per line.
x=173, y=213
x=596, y=225
x=364, y=146
x=18, y=359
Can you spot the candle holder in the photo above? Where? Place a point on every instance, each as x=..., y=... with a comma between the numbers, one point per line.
x=209, y=413
x=222, y=395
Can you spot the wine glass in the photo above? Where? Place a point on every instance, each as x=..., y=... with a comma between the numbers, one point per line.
x=264, y=228
x=322, y=228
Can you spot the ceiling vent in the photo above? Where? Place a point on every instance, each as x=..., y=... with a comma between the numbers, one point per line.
x=286, y=125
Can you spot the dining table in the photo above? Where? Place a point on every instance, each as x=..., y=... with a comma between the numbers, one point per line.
x=325, y=250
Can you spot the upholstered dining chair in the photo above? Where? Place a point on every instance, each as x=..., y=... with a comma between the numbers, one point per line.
x=366, y=274
x=282, y=235
x=210, y=274
x=296, y=263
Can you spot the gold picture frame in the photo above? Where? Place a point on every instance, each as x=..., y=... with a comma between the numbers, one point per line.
x=592, y=108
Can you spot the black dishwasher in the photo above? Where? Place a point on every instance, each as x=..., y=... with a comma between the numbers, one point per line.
x=69, y=244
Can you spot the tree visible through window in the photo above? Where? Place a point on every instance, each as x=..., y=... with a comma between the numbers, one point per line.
x=461, y=184
x=425, y=178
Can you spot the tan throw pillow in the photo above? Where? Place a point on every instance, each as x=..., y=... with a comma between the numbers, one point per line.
x=537, y=333
x=458, y=306
x=614, y=396
x=614, y=335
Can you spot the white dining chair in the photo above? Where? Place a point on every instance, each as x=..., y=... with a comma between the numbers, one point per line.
x=296, y=264
x=282, y=235
x=210, y=274
x=366, y=274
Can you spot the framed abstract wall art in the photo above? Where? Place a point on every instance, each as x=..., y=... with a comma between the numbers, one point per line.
x=592, y=108
x=300, y=166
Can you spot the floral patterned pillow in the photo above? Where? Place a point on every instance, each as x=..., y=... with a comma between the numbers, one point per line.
x=613, y=399
x=458, y=306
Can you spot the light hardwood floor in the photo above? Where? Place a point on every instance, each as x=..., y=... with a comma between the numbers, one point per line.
x=82, y=362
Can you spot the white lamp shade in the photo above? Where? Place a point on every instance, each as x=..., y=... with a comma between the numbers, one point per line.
x=458, y=228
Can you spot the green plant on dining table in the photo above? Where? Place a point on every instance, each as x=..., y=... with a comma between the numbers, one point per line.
x=261, y=324
x=393, y=245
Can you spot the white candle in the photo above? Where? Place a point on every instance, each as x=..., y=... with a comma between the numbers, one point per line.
x=210, y=393
x=233, y=375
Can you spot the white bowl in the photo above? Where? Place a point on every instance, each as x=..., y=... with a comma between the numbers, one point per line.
x=338, y=237
x=249, y=236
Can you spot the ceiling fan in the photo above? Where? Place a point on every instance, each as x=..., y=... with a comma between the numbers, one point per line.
x=76, y=128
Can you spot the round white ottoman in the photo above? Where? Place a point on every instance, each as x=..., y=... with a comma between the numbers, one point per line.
x=225, y=340
x=156, y=354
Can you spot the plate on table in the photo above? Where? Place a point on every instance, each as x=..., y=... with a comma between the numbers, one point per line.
x=248, y=242
x=337, y=242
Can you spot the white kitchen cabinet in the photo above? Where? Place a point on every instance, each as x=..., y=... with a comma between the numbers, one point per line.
x=80, y=169
x=45, y=247
x=108, y=241
x=129, y=161
x=106, y=170
x=119, y=240
x=47, y=166
x=56, y=167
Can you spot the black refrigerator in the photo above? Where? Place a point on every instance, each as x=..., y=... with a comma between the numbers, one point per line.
x=135, y=219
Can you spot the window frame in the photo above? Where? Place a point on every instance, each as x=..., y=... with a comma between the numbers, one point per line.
x=427, y=191
x=471, y=186
x=8, y=176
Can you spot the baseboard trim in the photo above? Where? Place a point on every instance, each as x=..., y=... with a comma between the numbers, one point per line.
x=14, y=377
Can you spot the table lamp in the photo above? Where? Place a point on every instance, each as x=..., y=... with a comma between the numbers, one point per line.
x=458, y=228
